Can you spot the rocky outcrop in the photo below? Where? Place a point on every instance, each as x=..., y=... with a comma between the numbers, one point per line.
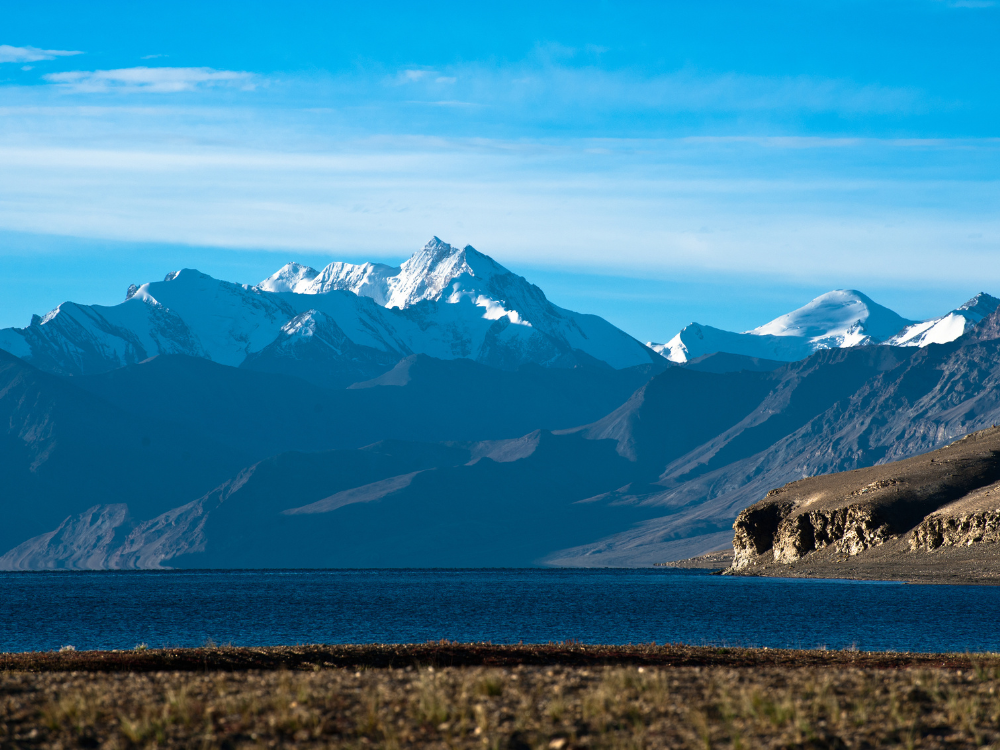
x=972, y=520
x=755, y=530
x=937, y=531
x=852, y=530
x=947, y=497
x=789, y=536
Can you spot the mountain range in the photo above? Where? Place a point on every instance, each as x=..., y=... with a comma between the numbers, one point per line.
x=837, y=319
x=443, y=413
x=348, y=323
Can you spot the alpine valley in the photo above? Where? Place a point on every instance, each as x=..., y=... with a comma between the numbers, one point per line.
x=445, y=413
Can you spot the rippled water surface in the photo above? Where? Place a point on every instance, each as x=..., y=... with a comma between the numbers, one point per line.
x=42, y=611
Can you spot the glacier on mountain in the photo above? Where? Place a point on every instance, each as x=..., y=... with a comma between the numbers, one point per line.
x=425, y=276
x=354, y=321
x=837, y=319
x=948, y=327
x=843, y=317
x=348, y=321
x=291, y=277
x=364, y=279
x=440, y=273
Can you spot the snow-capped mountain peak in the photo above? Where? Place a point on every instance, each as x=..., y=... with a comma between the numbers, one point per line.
x=982, y=305
x=291, y=277
x=346, y=321
x=364, y=279
x=843, y=317
x=948, y=327
x=432, y=270
x=436, y=272
x=426, y=275
x=445, y=282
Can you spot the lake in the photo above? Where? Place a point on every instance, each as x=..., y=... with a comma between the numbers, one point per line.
x=106, y=610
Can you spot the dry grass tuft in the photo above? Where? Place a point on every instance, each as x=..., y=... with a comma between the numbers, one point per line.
x=557, y=697
x=554, y=707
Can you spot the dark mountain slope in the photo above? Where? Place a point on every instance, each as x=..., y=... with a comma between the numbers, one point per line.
x=678, y=410
x=391, y=504
x=518, y=499
x=685, y=422
x=726, y=362
x=422, y=398
x=247, y=509
x=661, y=477
x=929, y=398
x=800, y=391
x=63, y=449
x=488, y=513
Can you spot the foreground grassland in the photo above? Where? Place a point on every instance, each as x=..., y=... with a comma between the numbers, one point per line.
x=514, y=697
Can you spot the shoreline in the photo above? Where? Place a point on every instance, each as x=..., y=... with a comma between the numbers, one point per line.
x=469, y=655
x=892, y=562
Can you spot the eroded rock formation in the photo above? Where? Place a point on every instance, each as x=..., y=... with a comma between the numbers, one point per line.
x=948, y=497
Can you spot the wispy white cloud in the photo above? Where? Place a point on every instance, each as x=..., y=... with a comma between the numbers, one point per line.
x=157, y=80
x=547, y=86
x=751, y=208
x=411, y=75
x=31, y=54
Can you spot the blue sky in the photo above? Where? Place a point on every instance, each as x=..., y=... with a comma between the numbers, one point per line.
x=653, y=163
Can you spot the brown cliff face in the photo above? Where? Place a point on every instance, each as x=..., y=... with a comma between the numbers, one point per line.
x=972, y=520
x=949, y=497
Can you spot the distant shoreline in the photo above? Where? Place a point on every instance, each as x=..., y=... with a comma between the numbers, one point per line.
x=451, y=654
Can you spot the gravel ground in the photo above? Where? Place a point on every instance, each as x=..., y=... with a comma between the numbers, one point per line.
x=739, y=699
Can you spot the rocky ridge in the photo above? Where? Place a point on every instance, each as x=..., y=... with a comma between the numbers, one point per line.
x=949, y=497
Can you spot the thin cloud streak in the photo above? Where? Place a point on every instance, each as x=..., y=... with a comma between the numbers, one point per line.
x=154, y=80
x=525, y=204
x=10, y=54
x=555, y=86
x=534, y=90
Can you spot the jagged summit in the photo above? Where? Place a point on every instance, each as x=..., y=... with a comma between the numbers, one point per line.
x=346, y=321
x=289, y=278
x=947, y=327
x=426, y=275
x=431, y=270
x=982, y=304
x=364, y=279
x=454, y=278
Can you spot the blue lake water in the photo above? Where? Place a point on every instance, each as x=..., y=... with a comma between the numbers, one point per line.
x=43, y=611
